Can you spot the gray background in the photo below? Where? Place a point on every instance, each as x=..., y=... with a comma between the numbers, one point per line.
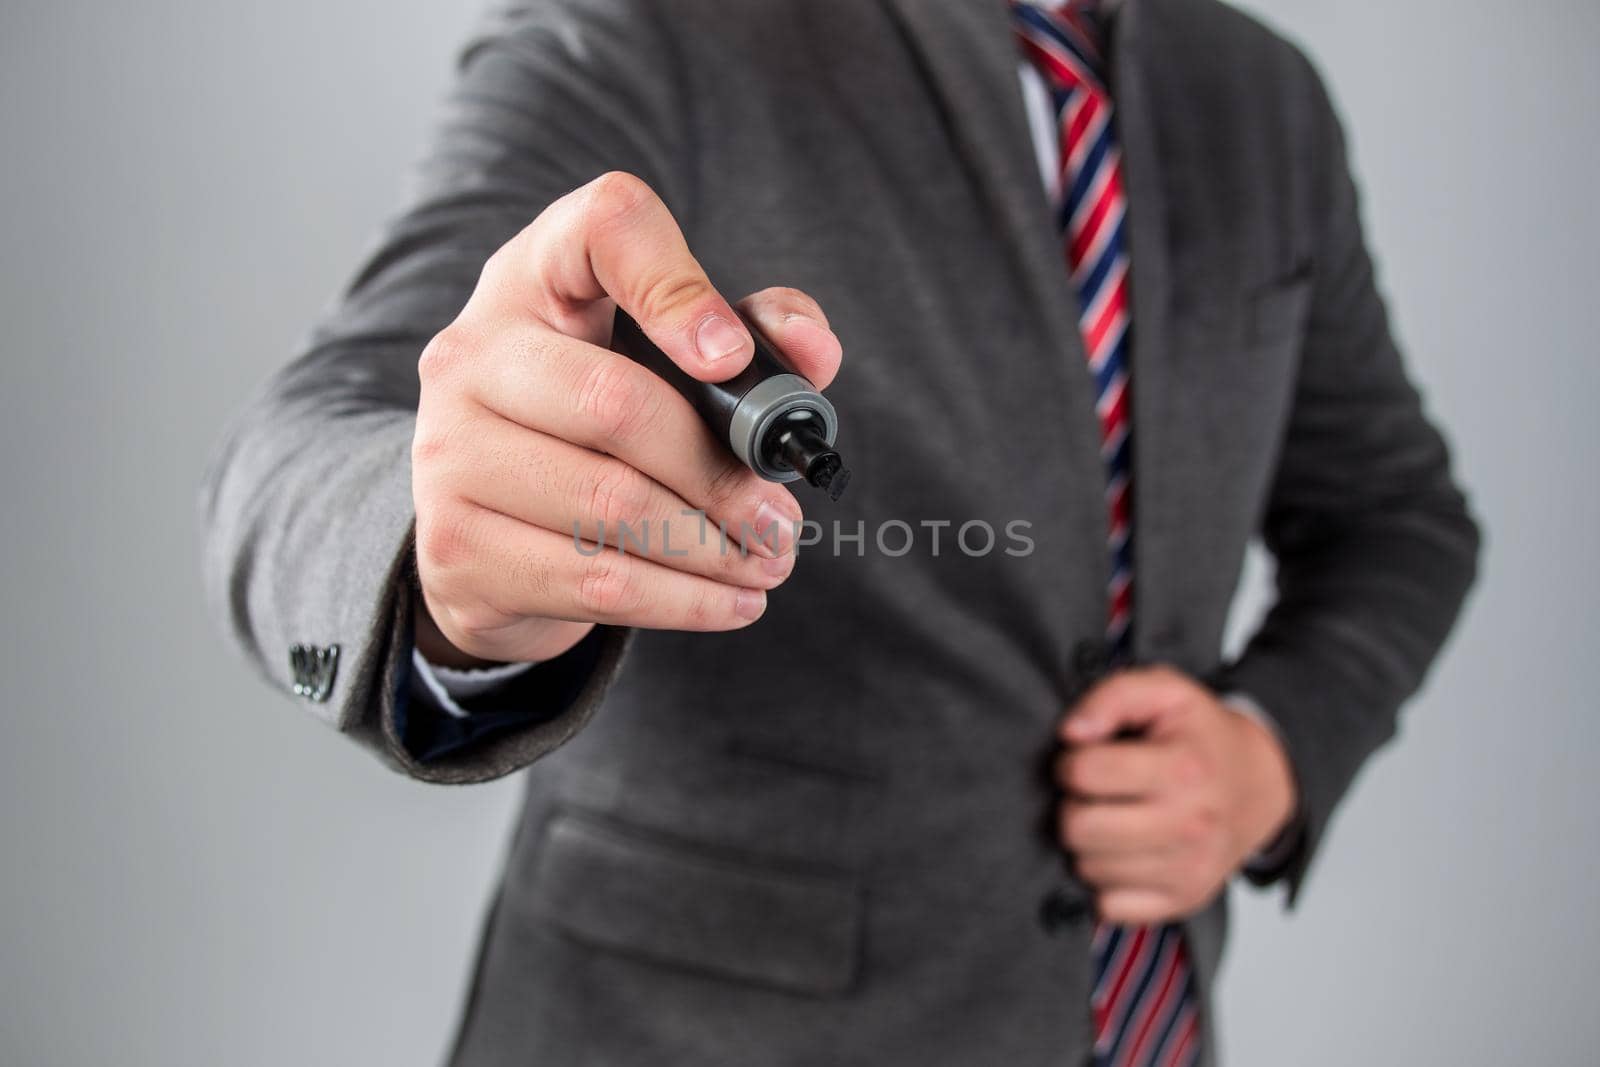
x=193, y=872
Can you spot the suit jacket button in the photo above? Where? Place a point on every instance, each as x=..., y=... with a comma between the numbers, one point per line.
x=1060, y=908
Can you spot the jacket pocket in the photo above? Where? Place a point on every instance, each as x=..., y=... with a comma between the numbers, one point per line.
x=1244, y=312
x=631, y=892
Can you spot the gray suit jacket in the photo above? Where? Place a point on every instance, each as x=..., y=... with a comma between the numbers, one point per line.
x=820, y=840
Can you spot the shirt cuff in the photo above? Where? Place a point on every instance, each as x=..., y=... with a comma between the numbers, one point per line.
x=449, y=687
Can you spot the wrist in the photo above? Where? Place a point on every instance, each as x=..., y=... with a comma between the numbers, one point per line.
x=526, y=640
x=1271, y=796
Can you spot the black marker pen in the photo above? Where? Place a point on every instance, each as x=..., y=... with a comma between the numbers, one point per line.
x=775, y=421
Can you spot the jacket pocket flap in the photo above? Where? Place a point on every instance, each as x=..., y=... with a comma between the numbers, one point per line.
x=642, y=896
x=1279, y=309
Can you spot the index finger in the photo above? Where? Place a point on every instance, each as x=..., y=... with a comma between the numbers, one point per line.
x=1131, y=699
x=798, y=331
x=1113, y=770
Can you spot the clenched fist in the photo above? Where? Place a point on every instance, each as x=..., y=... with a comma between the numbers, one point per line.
x=1168, y=792
x=531, y=434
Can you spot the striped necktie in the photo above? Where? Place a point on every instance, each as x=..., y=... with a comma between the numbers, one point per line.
x=1143, y=1001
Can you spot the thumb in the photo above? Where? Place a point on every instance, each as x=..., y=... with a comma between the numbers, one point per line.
x=1139, y=699
x=615, y=239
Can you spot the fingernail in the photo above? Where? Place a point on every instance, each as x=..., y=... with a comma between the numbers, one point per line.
x=717, y=339
x=750, y=603
x=774, y=530
x=779, y=567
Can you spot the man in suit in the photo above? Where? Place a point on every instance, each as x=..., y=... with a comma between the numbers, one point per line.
x=1098, y=276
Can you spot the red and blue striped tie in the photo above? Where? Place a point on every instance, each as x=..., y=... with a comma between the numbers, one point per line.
x=1143, y=1000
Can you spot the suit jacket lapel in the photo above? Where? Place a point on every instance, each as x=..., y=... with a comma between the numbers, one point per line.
x=970, y=58
x=1157, y=528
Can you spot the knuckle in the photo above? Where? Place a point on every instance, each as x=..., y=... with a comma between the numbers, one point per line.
x=498, y=269
x=445, y=354
x=724, y=486
x=616, y=493
x=435, y=440
x=608, y=587
x=428, y=445
x=614, y=196
x=786, y=295
x=445, y=539
x=731, y=562
x=790, y=300
x=443, y=592
x=532, y=573
x=701, y=614
x=671, y=296
x=615, y=400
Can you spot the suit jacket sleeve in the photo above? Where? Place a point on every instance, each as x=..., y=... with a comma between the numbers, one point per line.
x=1374, y=545
x=307, y=510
